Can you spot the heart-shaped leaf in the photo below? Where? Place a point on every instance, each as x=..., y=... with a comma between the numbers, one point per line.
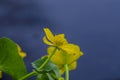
x=10, y=61
x=49, y=72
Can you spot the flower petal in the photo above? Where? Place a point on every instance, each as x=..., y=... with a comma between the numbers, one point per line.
x=19, y=48
x=46, y=41
x=70, y=48
x=60, y=40
x=57, y=58
x=67, y=56
x=22, y=54
x=72, y=66
x=61, y=57
x=49, y=34
x=72, y=53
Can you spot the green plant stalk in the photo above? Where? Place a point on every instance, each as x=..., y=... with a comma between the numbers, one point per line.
x=66, y=72
x=29, y=75
x=34, y=72
x=49, y=57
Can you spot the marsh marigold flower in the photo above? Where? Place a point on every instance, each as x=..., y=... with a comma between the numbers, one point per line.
x=65, y=54
x=54, y=40
x=69, y=54
x=21, y=53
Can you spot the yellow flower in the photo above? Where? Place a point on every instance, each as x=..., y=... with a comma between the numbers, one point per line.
x=21, y=53
x=69, y=54
x=54, y=40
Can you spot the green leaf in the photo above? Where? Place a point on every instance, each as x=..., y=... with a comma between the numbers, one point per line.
x=42, y=77
x=51, y=70
x=10, y=61
x=49, y=76
x=48, y=67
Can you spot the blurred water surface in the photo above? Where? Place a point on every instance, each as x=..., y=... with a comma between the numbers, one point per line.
x=92, y=24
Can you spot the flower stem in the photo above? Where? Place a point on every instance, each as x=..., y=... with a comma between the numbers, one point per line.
x=34, y=72
x=66, y=71
x=49, y=57
x=28, y=75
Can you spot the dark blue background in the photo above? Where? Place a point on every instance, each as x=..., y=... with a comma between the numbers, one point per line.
x=92, y=24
